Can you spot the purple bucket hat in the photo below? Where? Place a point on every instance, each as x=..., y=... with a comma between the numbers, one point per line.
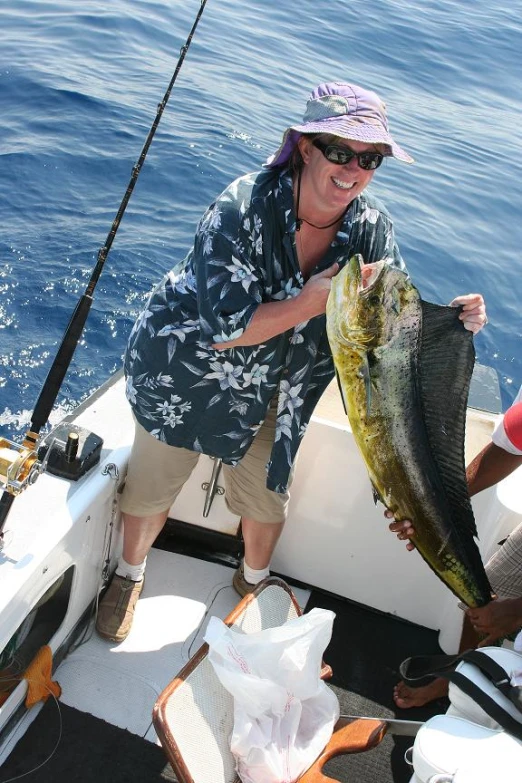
x=344, y=110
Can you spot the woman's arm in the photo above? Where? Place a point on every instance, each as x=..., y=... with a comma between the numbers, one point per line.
x=272, y=318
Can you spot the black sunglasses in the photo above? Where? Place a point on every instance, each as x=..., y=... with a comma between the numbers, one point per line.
x=337, y=153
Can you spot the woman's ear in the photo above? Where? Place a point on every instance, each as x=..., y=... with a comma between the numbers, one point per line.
x=303, y=144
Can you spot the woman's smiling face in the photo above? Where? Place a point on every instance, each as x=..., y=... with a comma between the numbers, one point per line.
x=334, y=185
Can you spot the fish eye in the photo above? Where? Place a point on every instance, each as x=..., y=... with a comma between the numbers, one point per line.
x=374, y=300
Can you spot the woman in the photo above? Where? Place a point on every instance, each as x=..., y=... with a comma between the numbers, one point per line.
x=230, y=355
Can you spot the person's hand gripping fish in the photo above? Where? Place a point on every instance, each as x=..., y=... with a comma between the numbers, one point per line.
x=473, y=315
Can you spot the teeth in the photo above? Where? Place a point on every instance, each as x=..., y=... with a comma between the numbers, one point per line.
x=343, y=185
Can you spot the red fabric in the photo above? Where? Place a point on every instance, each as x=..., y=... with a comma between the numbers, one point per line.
x=513, y=425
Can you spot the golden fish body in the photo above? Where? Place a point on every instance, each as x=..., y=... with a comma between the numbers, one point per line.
x=404, y=368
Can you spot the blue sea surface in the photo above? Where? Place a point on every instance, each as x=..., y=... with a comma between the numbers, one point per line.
x=79, y=88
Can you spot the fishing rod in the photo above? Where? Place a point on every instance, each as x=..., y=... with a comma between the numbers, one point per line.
x=20, y=466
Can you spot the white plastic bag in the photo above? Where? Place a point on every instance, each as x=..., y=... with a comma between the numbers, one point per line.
x=284, y=713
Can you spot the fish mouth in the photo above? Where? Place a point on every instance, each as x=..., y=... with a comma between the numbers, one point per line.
x=365, y=283
x=370, y=278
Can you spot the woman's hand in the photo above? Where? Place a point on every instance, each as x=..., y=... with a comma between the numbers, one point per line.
x=314, y=296
x=404, y=530
x=473, y=315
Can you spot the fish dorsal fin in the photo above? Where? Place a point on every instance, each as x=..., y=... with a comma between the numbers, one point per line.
x=447, y=357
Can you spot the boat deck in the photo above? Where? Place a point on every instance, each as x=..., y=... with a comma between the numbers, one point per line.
x=102, y=730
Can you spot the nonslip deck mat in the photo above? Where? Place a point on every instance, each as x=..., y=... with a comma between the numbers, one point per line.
x=365, y=652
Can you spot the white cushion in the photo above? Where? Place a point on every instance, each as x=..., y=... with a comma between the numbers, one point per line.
x=471, y=753
x=465, y=707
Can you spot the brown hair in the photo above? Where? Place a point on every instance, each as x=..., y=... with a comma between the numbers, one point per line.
x=296, y=162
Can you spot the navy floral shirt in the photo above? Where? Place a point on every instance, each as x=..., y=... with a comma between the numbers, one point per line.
x=188, y=394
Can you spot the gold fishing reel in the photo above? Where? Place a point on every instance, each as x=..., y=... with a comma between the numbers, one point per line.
x=19, y=465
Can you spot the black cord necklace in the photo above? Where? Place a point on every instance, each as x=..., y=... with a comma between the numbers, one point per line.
x=299, y=221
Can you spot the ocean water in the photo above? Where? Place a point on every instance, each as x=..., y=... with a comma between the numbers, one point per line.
x=79, y=88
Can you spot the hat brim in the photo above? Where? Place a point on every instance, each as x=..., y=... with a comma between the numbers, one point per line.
x=345, y=128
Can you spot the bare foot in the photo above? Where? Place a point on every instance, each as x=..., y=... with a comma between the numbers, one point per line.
x=405, y=696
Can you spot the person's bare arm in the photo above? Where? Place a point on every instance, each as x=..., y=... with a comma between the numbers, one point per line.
x=490, y=466
x=271, y=318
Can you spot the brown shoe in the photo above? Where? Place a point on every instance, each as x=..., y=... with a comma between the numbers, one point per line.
x=240, y=584
x=116, y=609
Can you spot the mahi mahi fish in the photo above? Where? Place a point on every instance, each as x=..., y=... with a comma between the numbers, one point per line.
x=404, y=367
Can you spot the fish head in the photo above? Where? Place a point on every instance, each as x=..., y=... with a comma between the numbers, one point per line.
x=364, y=300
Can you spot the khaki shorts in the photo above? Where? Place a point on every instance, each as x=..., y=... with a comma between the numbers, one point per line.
x=157, y=473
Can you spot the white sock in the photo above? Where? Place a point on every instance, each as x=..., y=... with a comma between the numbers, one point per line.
x=128, y=571
x=252, y=576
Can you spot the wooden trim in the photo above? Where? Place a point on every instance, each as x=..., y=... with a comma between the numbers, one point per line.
x=350, y=736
